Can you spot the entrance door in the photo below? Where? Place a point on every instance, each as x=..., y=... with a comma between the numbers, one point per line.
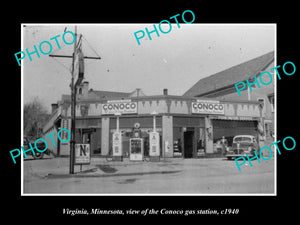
x=188, y=144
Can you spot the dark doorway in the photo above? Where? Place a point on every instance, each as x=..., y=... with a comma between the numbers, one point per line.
x=188, y=144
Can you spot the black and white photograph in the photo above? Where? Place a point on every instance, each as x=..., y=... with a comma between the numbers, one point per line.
x=144, y=112
x=143, y=109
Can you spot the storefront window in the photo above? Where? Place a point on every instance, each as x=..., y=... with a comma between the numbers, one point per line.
x=200, y=138
x=188, y=137
x=177, y=145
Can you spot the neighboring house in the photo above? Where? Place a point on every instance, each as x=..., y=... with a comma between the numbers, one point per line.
x=61, y=111
x=221, y=86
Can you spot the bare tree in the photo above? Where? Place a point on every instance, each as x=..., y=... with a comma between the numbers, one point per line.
x=35, y=115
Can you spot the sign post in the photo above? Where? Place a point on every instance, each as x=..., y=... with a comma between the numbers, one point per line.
x=73, y=110
x=82, y=154
x=77, y=75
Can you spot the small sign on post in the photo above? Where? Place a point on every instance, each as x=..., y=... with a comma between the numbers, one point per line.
x=82, y=154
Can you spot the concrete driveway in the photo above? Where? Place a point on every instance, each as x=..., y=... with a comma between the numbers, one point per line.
x=171, y=176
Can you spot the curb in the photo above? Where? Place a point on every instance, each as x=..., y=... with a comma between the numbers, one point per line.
x=84, y=175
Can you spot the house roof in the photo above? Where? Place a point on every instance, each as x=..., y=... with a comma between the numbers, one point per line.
x=109, y=94
x=231, y=76
x=106, y=95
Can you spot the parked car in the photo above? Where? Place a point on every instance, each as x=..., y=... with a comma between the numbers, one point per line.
x=40, y=145
x=242, y=145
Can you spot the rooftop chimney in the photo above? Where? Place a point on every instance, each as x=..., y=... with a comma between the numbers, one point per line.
x=85, y=88
x=82, y=89
x=54, y=106
x=165, y=91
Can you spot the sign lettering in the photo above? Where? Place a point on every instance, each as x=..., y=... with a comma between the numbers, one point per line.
x=82, y=154
x=207, y=107
x=119, y=107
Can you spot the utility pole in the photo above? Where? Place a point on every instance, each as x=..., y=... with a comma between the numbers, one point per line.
x=73, y=111
x=73, y=101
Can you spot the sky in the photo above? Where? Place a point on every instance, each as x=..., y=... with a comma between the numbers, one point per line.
x=176, y=60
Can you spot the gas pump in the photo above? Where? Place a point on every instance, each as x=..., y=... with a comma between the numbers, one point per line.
x=136, y=144
x=117, y=146
x=117, y=143
x=154, y=151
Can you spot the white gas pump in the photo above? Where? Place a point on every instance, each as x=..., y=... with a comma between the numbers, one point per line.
x=154, y=149
x=117, y=142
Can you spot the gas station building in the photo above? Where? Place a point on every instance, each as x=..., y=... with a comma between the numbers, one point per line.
x=188, y=127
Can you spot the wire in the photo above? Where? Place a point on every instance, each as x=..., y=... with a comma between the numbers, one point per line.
x=62, y=64
x=90, y=46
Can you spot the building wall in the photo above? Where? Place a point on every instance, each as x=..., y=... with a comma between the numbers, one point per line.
x=209, y=135
x=50, y=123
x=257, y=93
x=96, y=140
x=242, y=109
x=148, y=106
x=233, y=107
x=88, y=115
x=179, y=106
x=167, y=135
x=65, y=146
x=105, y=136
x=51, y=146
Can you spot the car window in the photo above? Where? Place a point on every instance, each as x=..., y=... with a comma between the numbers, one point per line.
x=243, y=139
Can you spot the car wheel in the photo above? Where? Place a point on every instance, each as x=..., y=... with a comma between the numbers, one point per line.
x=257, y=153
x=38, y=155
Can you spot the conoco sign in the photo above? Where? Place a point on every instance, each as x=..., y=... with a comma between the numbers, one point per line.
x=207, y=107
x=119, y=107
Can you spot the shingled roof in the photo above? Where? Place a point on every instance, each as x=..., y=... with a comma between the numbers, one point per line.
x=229, y=77
x=109, y=94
